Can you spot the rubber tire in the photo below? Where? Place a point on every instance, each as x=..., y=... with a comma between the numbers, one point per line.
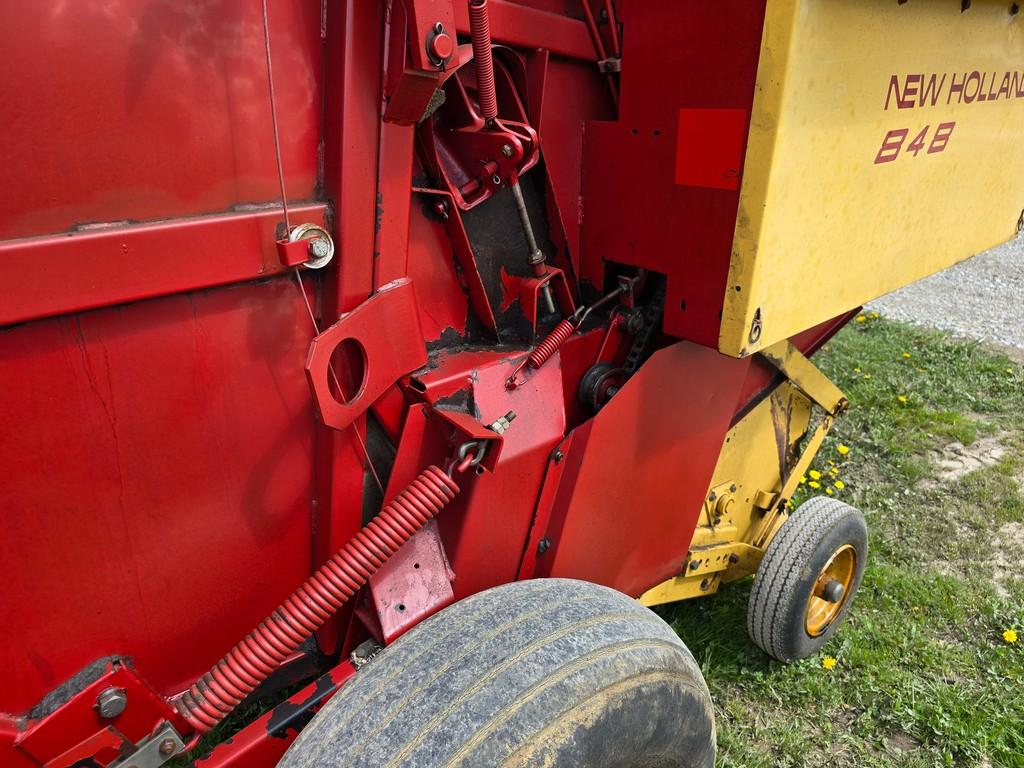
x=550, y=672
x=783, y=583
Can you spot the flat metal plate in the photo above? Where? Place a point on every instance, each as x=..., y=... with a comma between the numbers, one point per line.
x=885, y=144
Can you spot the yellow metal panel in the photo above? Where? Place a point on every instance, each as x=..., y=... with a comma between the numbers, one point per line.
x=758, y=455
x=886, y=142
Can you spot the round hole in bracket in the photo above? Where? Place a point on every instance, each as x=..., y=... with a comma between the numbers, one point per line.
x=401, y=608
x=346, y=376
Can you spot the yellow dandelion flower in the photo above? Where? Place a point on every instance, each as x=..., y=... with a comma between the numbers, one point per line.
x=906, y=354
x=803, y=480
x=829, y=663
x=834, y=472
x=857, y=370
x=874, y=315
x=815, y=474
x=1010, y=636
x=839, y=484
x=814, y=484
x=867, y=375
x=842, y=450
x=1010, y=371
x=829, y=491
x=859, y=319
x=902, y=398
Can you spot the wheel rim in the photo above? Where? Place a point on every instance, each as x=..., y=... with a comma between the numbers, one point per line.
x=823, y=606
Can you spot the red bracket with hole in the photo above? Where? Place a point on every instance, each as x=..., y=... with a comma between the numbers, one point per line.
x=378, y=342
x=414, y=584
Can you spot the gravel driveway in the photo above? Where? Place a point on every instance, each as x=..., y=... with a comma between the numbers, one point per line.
x=981, y=298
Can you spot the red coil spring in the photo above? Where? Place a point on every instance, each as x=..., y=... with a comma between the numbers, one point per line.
x=480, y=34
x=550, y=344
x=249, y=663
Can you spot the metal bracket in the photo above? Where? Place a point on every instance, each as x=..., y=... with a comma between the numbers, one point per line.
x=806, y=377
x=154, y=751
x=386, y=333
x=721, y=557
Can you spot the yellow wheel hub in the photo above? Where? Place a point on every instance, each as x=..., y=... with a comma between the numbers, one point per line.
x=831, y=590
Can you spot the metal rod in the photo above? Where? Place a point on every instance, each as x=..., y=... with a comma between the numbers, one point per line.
x=524, y=218
x=273, y=116
x=537, y=257
x=613, y=27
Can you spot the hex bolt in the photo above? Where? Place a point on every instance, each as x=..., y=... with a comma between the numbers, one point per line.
x=543, y=546
x=734, y=558
x=167, y=747
x=502, y=423
x=111, y=702
x=438, y=27
x=558, y=455
x=712, y=496
x=319, y=248
x=506, y=150
x=694, y=565
x=732, y=488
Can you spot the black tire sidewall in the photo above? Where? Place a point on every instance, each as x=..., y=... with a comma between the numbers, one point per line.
x=849, y=529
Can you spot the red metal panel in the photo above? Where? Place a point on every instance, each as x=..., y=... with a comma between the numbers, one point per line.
x=705, y=59
x=139, y=110
x=156, y=494
x=483, y=550
x=635, y=476
x=354, y=51
x=44, y=276
x=709, y=147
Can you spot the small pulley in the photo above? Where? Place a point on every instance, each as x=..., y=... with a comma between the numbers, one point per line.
x=307, y=245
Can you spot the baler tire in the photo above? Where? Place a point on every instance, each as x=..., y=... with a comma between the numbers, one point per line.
x=777, y=609
x=549, y=672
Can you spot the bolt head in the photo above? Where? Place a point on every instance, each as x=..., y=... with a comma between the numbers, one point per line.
x=111, y=702
x=167, y=747
x=543, y=546
x=319, y=248
x=558, y=455
x=506, y=150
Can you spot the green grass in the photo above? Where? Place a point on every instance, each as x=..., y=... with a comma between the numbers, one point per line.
x=924, y=677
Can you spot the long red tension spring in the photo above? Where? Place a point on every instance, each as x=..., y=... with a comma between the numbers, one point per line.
x=480, y=35
x=263, y=650
x=550, y=344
